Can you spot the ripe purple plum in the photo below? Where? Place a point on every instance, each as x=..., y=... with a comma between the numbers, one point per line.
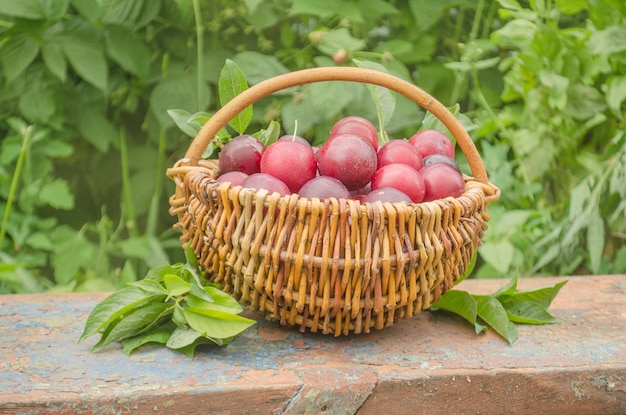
x=400, y=151
x=401, y=177
x=387, y=194
x=349, y=159
x=324, y=187
x=430, y=142
x=291, y=162
x=233, y=177
x=267, y=182
x=440, y=158
x=442, y=181
x=242, y=153
x=356, y=125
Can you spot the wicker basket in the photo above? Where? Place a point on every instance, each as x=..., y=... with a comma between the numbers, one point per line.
x=335, y=266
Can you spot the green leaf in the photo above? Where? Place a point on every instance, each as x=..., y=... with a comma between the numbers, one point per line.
x=183, y=120
x=28, y=9
x=189, y=350
x=527, y=312
x=182, y=337
x=458, y=302
x=469, y=269
x=427, y=14
x=177, y=90
x=176, y=285
x=70, y=254
x=200, y=292
x=470, y=66
x=135, y=247
x=57, y=194
x=128, y=274
x=96, y=128
x=375, y=9
x=542, y=296
x=216, y=324
x=113, y=307
x=595, y=240
x=608, y=41
x=337, y=39
x=58, y=149
x=258, y=66
x=34, y=9
x=89, y=9
x=270, y=134
x=584, y=102
x=39, y=240
x=383, y=98
x=498, y=254
x=431, y=122
x=149, y=286
x=320, y=8
x=517, y=33
x=127, y=324
x=557, y=85
x=252, y=5
x=160, y=334
x=158, y=273
x=37, y=103
x=220, y=301
x=329, y=98
x=233, y=82
x=17, y=53
x=85, y=53
x=190, y=257
x=491, y=311
x=301, y=111
x=572, y=7
x=616, y=95
x=128, y=13
x=510, y=4
x=130, y=52
x=508, y=289
x=55, y=9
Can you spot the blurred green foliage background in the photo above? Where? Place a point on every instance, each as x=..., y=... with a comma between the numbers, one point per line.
x=85, y=86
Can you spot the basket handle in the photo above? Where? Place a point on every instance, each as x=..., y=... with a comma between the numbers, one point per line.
x=343, y=73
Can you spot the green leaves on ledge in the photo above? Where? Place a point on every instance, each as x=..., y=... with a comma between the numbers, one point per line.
x=503, y=308
x=170, y=306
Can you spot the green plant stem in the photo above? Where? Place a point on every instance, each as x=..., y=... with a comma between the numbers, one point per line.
x=26, y=137
x=200, y=54
x=476, y=23
x=459, y=80
x=155, y=202
x=131, y=222
x=458, y=28
x=483, y=101
x=491, y=14
x=104, y=239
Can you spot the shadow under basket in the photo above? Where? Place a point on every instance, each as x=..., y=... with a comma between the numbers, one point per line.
x=329, y=266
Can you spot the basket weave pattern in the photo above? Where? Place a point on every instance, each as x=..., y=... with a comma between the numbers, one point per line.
x=335, y=266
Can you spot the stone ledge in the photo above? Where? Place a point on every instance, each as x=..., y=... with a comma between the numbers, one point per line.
x=432, y=363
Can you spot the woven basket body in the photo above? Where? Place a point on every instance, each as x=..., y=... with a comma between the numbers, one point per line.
x=333, y=266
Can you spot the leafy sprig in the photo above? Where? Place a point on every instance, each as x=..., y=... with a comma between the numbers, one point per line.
x=500, y=310
x=172, y=306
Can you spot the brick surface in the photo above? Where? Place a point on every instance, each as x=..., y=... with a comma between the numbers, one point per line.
x=432, y=363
